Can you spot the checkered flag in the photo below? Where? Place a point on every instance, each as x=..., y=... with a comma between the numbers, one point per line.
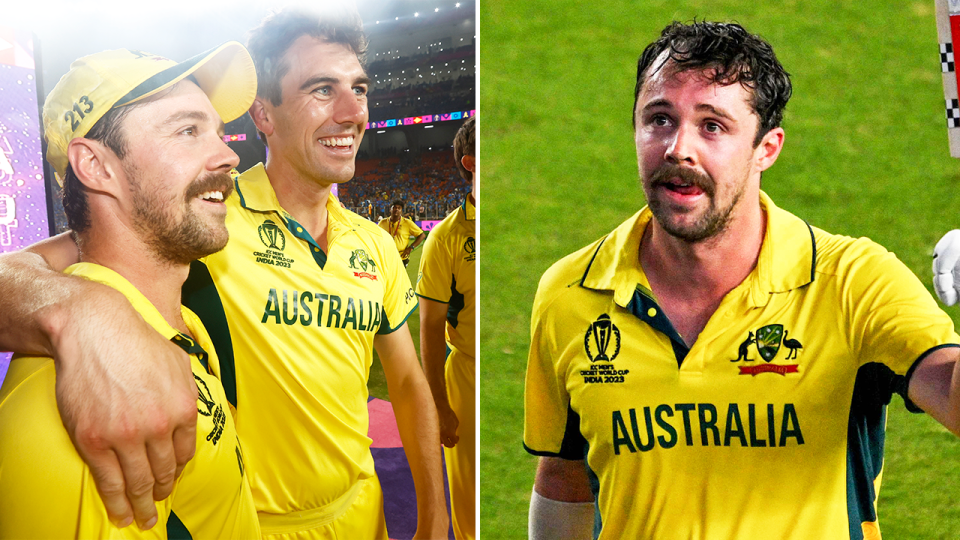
x=946, y=58
x=953, y=113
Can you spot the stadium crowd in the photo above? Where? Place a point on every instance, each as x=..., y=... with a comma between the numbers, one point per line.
x=429, y=184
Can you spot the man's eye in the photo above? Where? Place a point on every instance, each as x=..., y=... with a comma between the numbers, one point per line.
x=712, y=127
x=659, y=120
x=360, y=90
x=192, y=130
x=323, y=91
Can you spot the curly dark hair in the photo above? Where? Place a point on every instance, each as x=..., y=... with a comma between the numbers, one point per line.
x=728, y=54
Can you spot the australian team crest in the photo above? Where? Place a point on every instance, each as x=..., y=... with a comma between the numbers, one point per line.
x=602, y=340
x=271, y=235
x=359, y=260
x=768, y=341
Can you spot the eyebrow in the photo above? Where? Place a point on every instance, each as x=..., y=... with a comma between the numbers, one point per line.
x=314, y=81
x=701, y=107
x=198, y=116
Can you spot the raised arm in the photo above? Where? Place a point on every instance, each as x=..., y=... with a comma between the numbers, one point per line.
x=126, y=395
x=417, y=422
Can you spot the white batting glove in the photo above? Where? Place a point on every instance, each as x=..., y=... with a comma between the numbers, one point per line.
x=946, y=270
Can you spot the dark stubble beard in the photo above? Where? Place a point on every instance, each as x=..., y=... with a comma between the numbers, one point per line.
x=713, y=221
x=186, y=240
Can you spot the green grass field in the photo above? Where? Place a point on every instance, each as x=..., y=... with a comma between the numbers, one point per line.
x=865, y=155
x=377, y=384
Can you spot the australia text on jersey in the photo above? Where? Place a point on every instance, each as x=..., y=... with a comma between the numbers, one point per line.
x=330, y=310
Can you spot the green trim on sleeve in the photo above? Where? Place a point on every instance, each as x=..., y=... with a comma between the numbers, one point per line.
x=389, y=329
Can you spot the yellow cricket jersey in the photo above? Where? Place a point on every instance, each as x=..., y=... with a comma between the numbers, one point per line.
x=294, y=327
x=770, y=426
x=401, y=231
x=448, y=274
x=46, y=490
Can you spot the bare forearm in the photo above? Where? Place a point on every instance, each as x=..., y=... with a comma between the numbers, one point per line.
x=433, y=352
x=36, y=302
x=418, y=240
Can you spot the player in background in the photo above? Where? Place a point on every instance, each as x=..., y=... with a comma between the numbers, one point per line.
x=145, y=172
x=401, y=229
x=295, y=304
x=716, y=368
x=447, y=289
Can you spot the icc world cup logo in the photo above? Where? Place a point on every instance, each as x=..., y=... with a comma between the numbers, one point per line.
x=599, y=335
x=470, y=246
x=271, y=235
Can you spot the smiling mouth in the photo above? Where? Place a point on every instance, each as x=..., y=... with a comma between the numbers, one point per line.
x=338, y=142
x=212, y=196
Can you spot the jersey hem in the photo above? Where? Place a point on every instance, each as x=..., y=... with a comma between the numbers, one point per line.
x=397, y=327
x=433, y=299
x=911, y=406
x=542, y=453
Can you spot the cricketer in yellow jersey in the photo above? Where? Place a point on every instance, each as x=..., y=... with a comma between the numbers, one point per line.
x=144, y=172
x=447, y=289
x=715, y=368
x=401, y=229
x=47, y=491
x=310, y=468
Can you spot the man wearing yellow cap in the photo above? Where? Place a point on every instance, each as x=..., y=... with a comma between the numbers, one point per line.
x=136, y=141
x=295, y=305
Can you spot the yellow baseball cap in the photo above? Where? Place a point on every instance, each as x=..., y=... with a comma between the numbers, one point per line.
x=105, y=80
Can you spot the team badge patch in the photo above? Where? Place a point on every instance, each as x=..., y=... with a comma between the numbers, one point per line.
x=271, y=235
x=211, y=409
x=470, y=248
x=359, y=260
x=769, y=340
x=602, y=344
x=597, y=340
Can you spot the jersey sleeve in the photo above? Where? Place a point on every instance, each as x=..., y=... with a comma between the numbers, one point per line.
x=550, y=427
x=399, y=299
x=894, y=321
x=414, y=229
x=435, y=280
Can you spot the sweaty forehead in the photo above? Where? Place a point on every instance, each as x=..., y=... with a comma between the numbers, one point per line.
x=670, y=84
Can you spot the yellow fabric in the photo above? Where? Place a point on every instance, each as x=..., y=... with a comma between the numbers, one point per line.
x=461, y=460
x=448, y=268
x=302, y=338
x=448, y=275
x=401, y=232
x=362, y=518
x=46, y=491
x=730, y=444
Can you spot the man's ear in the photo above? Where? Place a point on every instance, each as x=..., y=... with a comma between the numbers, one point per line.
x=95, y=165
x=469, y=163
x=262, y=115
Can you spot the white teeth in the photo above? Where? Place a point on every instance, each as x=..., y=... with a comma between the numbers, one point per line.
x=338, y=141
x=212, y=196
